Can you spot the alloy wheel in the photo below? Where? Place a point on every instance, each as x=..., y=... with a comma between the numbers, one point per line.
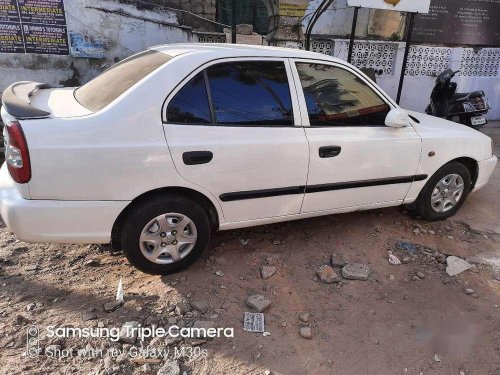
x=447, y=193
x=168, y=238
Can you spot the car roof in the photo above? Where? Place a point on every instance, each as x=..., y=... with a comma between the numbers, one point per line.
x=222, y=50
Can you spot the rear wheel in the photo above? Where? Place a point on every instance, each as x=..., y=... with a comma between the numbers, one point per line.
x=445, y=192
x=164, y=235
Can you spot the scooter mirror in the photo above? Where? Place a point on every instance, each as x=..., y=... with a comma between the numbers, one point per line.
x=397, y=118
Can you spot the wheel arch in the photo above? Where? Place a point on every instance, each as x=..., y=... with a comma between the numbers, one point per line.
x=194, y=195
x=470, y=163
x=473, y=167
x=420, y=205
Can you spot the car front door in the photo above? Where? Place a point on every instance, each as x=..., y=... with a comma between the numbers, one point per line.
x=231, y=129
x=355, y=160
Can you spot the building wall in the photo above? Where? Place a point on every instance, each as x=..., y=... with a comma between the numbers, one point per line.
x=204, y=8
x=125, y=27
x=122, y=27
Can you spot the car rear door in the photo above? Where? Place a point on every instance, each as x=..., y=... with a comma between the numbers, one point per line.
x=230, y=128
x=355, y=160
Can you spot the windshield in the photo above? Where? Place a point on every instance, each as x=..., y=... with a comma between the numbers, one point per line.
x=105, y=88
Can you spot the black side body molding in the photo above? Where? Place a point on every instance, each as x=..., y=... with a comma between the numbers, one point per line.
x=364, y=183
x=265, y=193
x=291, y=190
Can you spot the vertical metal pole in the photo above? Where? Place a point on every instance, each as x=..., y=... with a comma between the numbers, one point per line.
x=233, y=21
x=409, y=30
x=353, y=34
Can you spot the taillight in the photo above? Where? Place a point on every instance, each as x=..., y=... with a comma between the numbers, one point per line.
x=17, y=156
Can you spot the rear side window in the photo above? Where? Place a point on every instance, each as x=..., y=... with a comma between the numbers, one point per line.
x=105, y=88
x=337, y=97
x=250, y=93
x=190, y=104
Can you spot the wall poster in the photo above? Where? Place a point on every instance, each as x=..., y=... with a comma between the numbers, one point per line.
x=33, y=26
x=293, y=8
x=85, y=46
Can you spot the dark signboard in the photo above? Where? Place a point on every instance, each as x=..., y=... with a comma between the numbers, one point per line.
x=8, y=11
x=462, y=22
x=33, y=26
x=11, y=38
x=49, y=12
x=46, y=39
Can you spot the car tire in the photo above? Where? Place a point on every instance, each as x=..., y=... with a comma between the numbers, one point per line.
x=442, y=196
x=155, y=225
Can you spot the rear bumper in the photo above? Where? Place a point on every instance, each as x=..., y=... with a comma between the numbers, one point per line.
x=56, y=221
x=486, y=169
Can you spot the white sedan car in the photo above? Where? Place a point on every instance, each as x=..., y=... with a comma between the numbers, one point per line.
x=173, y=143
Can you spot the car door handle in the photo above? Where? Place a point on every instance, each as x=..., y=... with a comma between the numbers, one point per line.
x=197, y=157
x=329, y=151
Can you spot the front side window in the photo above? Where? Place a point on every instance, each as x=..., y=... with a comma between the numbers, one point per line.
x=190, y=104
x=337, y=97
x=250, y=93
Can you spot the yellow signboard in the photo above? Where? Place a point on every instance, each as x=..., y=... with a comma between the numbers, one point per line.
x=293, y=8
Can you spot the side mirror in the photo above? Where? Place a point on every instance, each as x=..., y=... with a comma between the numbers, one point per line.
x=397, y=118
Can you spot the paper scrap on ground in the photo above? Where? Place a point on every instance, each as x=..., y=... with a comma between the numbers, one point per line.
x=119, y=291
x=393, y=259
x=253, y=322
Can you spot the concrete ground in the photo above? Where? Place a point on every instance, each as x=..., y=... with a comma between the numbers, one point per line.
x=406, y=319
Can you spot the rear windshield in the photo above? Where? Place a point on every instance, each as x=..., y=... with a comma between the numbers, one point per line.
x=102, y=90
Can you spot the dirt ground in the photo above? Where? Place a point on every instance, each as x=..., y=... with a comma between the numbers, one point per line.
x=394, y=323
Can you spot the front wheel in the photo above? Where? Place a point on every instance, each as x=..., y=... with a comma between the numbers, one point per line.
x=164, y=235
x=445, y=192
